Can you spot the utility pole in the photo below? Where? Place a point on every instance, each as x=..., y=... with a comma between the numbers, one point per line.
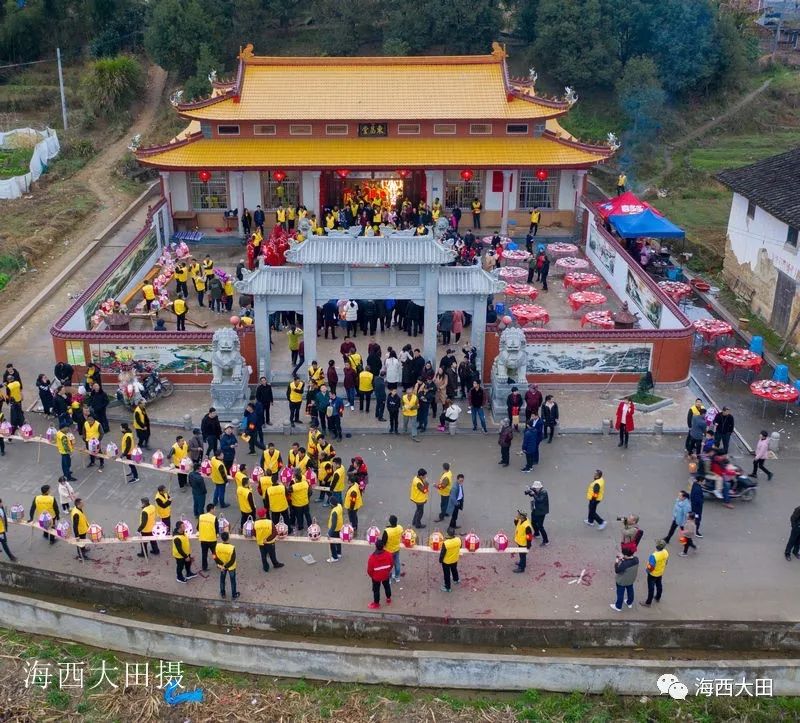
x=61, y=86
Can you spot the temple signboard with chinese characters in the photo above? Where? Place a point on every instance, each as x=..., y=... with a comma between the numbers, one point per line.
x=373, y=130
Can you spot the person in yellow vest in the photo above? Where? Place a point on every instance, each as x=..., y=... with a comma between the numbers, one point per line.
x=536, y=216
x=200, y=287
x=180, y=308
x=656, y=565
x=141, y=425
x=409, y=404
x=299, y=494
x=92, y=429
x=302, y=212
x=419, y=496
x=365, y=388
x=181, y=277
x=265, y=539
x=207, y=531
x=65, y=446
x=523, y=537
x=325, y=450
x=164, y=506
x=194, y=268
x=316, y=374
x=335, y=522
x=330, y=222
x=294, y=393
x=126, y=448
x=444, y=485
x=291, y=217
x=227, y=289
x=280, y=217
x=244, y=496
x=45, y=502
x=353, y=502
x=182, y=552
x=80, y=526
x=4, y=532
x=324, y=479
x=314, y=435
x=622, y=179
x=208, y=267
x=337, y=482
x=149, y=294
x=293, y=454
x=180, y=451
x=594, y=493
x=147, y=518
x=451, y=551
x=271, y=461
x=476, y=212
x=219, y=476
x=301, y=460
x=278, y=504
x=391, y=543
x=225, y=556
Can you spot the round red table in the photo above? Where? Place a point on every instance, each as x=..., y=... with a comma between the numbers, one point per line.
x=598, y=318
x=516, y=258
x=577, y=299
x=561, y=249
x=525, y=290
x=770, y=391
x=733, y=357
x=570, y=263
x=711, y=329
x=676, y=290
x=580, y=280
x=530, y=314
x=513, y=274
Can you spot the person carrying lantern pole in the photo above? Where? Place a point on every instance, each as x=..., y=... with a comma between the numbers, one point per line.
x=45, y=503
x=80, y=526
x=225, y=556
x=182, y=552
x=265, y=539
x=146, y=521
x=353, y=502
x=451, y=551
x=523, y=537
x=4, y=532
x=379, y=569
x=335, y=522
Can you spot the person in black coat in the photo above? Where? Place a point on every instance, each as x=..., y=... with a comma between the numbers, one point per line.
x=211, y=429
x=724, y=429
x=43, y=384
x=264, y=397
x=514, y=401
x=98, y=403
x=63, y=372
x=540, y=508
x=696, y=499
x=549, y=412
x=545, y=270
x=330, y=317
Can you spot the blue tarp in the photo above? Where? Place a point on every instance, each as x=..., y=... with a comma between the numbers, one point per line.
x=645, y=225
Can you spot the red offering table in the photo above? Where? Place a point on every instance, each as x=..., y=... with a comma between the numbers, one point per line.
x=561, y=249
x=513, y=274
x=530, y=314
x=676, y=290
x=577, y=299
x=570, y=263
x=711, y=329
x=598, y=318
x=771, y=391
x=581, y=281
x=733, y=357
x=525, y=290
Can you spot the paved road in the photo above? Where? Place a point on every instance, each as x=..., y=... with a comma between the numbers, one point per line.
x=740, y=554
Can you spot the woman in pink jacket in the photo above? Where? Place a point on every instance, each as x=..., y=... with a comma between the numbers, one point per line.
x=762, y=450
x=458, y=323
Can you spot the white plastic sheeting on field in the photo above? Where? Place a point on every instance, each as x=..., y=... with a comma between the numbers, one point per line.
x=46, y=148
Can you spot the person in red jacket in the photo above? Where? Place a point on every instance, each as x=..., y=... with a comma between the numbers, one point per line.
x=624, y=421
x=379, y=569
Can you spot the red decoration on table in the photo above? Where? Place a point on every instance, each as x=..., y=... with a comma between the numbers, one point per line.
x=676, y=290
x=561, y=248
x=732, y=357
x=279, y=176
x=598, y=318
x=530, y=313
x=522, y=290
x=204, y=176
x=774, y=391
x=577, y=299
x=571, y=263
x=580, y=280
x=542, y=174
x=710, y=329
x=467, y=175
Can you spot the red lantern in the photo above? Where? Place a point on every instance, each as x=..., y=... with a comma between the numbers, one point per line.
x=204, y=176
x=403, y=173
x=343, y=172
x=467, y=175
x=542, y=174
x=500, y=541
x=471, y=541
x=279, y=176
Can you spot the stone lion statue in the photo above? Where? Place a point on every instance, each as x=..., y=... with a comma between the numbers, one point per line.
x=511, y=363
x=226, y=359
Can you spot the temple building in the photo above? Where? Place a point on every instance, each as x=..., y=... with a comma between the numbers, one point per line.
x=314, y=131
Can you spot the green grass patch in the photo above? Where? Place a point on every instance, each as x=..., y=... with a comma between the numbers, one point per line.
x=58, y=699
x=644, y=398
x=15, y=162
x=740, y=150
x=594, y=117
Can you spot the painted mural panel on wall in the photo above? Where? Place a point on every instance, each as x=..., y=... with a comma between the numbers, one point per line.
x=644, y=298
x=589, y=358
x=603, y=249
x=122, y=275
x=174, y=359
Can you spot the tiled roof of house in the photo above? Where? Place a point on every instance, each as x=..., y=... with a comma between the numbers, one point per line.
x=468, y=280
x=369, y=251
x=272, y=281
x=773, y=184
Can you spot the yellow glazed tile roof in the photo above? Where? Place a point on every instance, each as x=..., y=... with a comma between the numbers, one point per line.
x=378, y=89
x=244, y=153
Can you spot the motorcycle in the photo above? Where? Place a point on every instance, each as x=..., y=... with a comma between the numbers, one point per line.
x=132, y=391
x=155, y=386
x=740, y=485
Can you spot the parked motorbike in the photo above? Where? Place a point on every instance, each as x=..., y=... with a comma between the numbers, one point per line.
x=155, y=386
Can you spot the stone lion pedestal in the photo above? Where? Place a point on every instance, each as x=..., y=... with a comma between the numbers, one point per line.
x=229, y=384
x=509, y=369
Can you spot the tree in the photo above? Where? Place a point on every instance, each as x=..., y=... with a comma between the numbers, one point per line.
x=525, y=14
x=640, y=94
x=199, y=86
x=347, y=25
x=578, y=46
x=110, y=85
x=633, y=24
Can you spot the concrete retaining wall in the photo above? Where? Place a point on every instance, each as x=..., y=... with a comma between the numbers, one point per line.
x=495, y=634
x=374, y=665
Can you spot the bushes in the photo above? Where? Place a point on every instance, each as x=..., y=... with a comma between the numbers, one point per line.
x=110, y=85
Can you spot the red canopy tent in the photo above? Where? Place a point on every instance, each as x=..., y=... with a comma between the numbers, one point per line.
x=624, y=204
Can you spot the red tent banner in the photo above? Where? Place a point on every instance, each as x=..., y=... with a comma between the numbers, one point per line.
x=624, y=205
